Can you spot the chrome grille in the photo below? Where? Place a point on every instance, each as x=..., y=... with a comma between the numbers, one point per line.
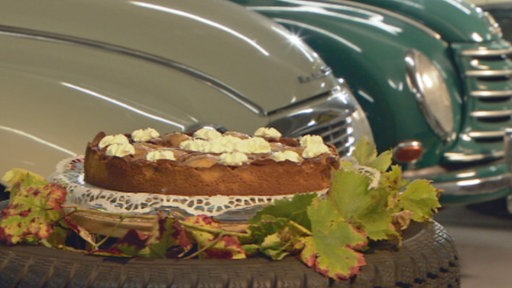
x=338, y=132
x=487, y=72
x=335, y=116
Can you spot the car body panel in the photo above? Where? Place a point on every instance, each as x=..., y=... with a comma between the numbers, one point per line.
x=456, y=21
x=209, y=30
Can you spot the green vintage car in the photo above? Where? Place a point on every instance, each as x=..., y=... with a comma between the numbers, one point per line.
x=432, y=76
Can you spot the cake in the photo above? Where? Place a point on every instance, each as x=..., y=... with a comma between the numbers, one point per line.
x=209, y=163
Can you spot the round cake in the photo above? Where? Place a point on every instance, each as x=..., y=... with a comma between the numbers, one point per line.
x=209, y=163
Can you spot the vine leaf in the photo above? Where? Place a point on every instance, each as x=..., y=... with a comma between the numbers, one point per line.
x=332, y=248
x=361, y=205
x=211, y=239
x=421, y=198
x=34, y=207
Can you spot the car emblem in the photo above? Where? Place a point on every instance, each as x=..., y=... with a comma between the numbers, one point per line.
x=323, y=72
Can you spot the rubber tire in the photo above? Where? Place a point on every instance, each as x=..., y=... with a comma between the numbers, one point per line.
x=427, y=258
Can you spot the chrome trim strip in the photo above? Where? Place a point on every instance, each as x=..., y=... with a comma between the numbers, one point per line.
x=488, y=73
x=491, y=94
x=473, y=187
x=485, y=134
x=507, y=147
x=491, y=114
x=484, y=186
x=487, y=52
x=201, y=76
x=461, y=157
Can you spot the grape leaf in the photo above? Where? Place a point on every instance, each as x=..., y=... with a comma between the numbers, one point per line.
x=382, y=162
x=393, y=182
x=277, y=237
x=34, y=207
x=364, y=151
x=17, y=179
x=294, y=209
x=162, y=240
x=127, y=246
x=211, y=239
x=331, y=249
x=421, y=198
x=362, y=206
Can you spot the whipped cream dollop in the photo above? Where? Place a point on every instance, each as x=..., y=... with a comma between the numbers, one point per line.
x=233, y=158
x=267, y=132
x=160, y=154
x=113, y=139
x=143, y=135
x=232, y=150
x=313, y=146
x=120, y=150
x=227, y=144
x=207, y=133
x=286, y=155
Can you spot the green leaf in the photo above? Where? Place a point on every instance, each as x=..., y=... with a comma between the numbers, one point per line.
x=332, y=248
x=267, y=225
x=365, y=151
x=277, y=237
x=382, y=162
x=421, y=198
x=393, y=181
x=350, y=192
x=294, y=209
x=362, y=206
x=273, y=247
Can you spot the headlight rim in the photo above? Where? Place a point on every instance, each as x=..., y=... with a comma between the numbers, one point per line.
x=413, y=59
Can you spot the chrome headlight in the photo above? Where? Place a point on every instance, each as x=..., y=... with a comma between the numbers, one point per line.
x=432, y=94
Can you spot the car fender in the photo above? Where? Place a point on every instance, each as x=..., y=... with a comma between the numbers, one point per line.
x=456, y=21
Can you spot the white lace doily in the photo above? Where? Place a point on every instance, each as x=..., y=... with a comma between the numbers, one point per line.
x=69, y=173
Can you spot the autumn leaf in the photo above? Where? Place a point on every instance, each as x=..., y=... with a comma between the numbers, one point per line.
x=34, y=207
x=211, y=239
x=162, y=240
x=127, y=246
x=332, y=248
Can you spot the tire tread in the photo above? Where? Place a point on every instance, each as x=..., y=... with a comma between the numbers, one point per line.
x=427, y=258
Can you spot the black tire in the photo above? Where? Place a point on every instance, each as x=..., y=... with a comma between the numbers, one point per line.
x=427, y=258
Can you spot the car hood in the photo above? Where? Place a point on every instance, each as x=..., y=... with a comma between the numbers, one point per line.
x=70, y=69
x=215, y=40
x=456, y=21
